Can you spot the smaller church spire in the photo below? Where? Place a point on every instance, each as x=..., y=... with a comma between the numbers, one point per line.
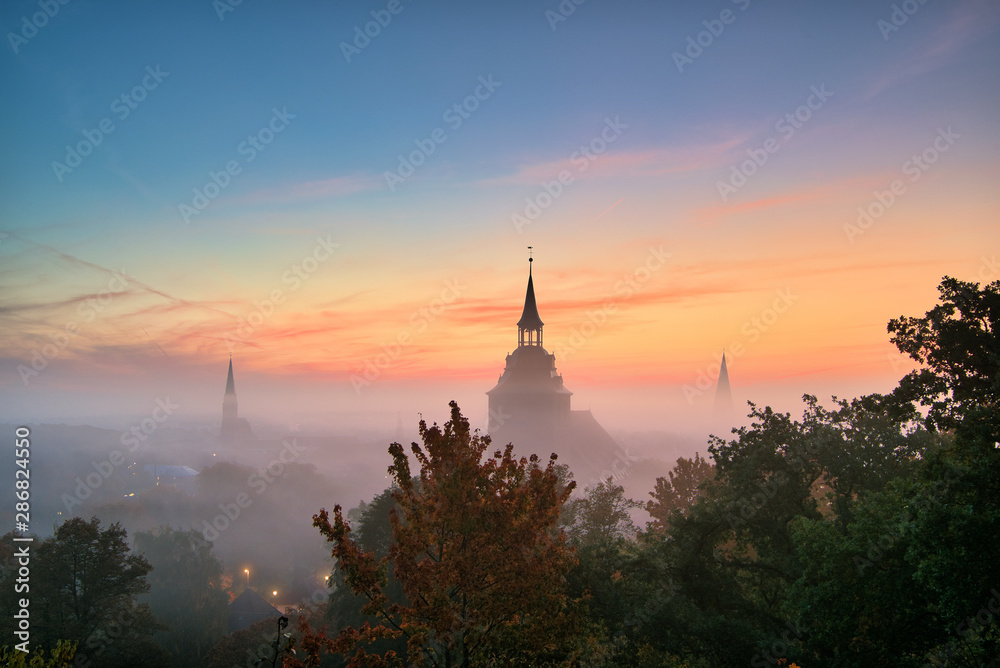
x=723, y=407
x=230, y=383
x=230, y=411
x=529, y=327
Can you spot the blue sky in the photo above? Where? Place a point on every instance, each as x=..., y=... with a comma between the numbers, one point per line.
x=347, y=123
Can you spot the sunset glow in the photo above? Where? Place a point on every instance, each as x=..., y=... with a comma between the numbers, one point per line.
x=802, y=181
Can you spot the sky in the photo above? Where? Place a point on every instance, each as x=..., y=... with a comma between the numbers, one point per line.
x=342, y=196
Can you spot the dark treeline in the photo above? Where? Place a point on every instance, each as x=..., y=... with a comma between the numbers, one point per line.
x=863, y=533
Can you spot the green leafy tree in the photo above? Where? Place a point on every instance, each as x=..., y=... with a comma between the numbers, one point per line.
x=60, y=657
x=917, y=546
x=477, y=549
x=682, y=487
x=185, y=592
x=603, y=535
x=958, y=345
x=84, y=587
x=373, y=534
x=603, y=516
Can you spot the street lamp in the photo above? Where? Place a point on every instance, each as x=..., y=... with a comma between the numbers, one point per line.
x=282, y=624
x=247, y=571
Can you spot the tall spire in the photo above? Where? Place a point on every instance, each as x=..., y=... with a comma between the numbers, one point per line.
x=529, y=327
x=723, y=393
x=230, y=411
x=230, y=383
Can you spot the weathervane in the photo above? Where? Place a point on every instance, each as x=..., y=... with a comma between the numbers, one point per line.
x=529, y=254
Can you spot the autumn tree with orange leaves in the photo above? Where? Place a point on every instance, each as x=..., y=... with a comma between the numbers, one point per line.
x=479, y=555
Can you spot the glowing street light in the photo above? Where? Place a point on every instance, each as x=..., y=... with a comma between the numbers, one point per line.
x=247, y=571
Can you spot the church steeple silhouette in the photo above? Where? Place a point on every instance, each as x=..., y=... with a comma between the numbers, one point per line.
x=723, y=407
x=529, y=396
x=530, y=407
x=529, y=327
x=230, y=420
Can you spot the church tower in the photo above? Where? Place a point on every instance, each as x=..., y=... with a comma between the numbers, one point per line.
x=230, y=421
x=530, y=407
x=529, y=403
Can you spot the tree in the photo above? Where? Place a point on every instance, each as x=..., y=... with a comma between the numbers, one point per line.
x=249, y=647
x=185, y=592
x=84, y=586
x=602, y=516
x=372, y=532
x=60, y=657
x=602, y=532
x=478, y=552
x=678, y=491
x=959, y=345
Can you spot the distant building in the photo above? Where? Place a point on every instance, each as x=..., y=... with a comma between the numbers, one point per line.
x=530, y=407
x=248, y=609
x=234, y=428
x=181, y=477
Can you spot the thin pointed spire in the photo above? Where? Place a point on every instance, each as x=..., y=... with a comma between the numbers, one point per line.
x=230, y=383
x=723, y=393
x=530, y=321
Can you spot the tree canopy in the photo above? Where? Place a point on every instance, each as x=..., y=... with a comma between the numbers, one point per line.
x=477, y=551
